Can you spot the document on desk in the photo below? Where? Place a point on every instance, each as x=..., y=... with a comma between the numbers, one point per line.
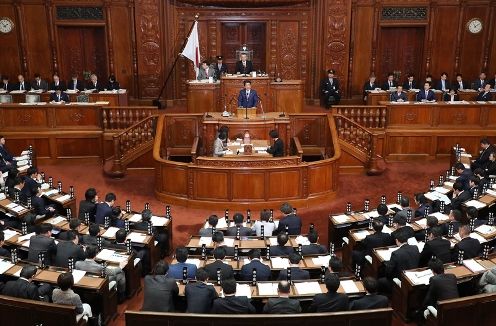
x=433, y=195
x=273, y=241
x=194, y=261
x=440, y=216
x=11, y=205
x=385, y=254
x=449, y=184
x=442, y=190
x=25, y=237
x=229, y=242
x=50, y=192
x=418, y=278
x=110, y=233
x=205, y=241
x=360, y=235
x=371, y=214
x=5, y=265
x=387, y=230
x=8, y=234
x=321, y=260
x=477, y=204
x=340, y=219
x=105, y=254
x=484, y=229
x=302, y=240
x=18, y=209
x=491, y=192
x=305, y=288
x=56, y=220
x=243, y=290
x=267, y=289
x=349, y=286
x=279, y=262
x=63, y=198
x=136, y=237
x=135, y=218
x=158, y=220
x=78, y=275
x=474, y=266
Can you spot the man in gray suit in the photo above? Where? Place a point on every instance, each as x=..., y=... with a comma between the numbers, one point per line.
x=39, y=84
x=42, y=242
x=205, y=71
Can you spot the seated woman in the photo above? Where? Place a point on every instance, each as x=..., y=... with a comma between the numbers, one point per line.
x=277, y=149
x=219, y=148
x=65, y=295
x=113, y=84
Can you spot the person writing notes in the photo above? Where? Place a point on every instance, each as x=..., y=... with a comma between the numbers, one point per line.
x=426, y=94
x=247, y=97
x=59, y=97
x=205, y=71
x=219, y=148
x=277, y=149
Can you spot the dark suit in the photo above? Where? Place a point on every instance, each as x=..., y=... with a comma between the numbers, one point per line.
x=441, y=287
x=329, y=302
x=79, y=85
x=471, y=248
x=4, y=252
x=243, y=231
x=8, y=87
x=493, y=83
x=439, y=85
x=29, y=185
x=456, y=203
x=226, y=271
x=98, y=87
x=6, y=154
x=43, y=85
x=111, y=86
x=26, y=86
x=88, y=240
x=386, y=86
x=21, y=288
x=376, y=240
x=409, y=230
x=484, y=96
x=86, y=206
x=395, y=97
x=61, y=86
x=369, y=87
x=407, y=87
x=293, y=222
x=277, y=150
x=422, y=96
x=102, y=210
x=59, y=98
x=404, y=258
x=438, y=247
x=200, y=297
x=247, y=102
x=66, y=249
x=370, y=301
x=329, y=88
x=479, y=84
x=244, y=69
x=282, y=306
x=447, y=97
x=464, y=178
x=40, y=243
x=176, y=271
x=233, y=305
x=220, y=71
x=460, y=85
x=296, y=274
x=39, y=206
x=159, y=293
x=483, y=160
x=281, y=250
x=263, y=271
x=313, y=249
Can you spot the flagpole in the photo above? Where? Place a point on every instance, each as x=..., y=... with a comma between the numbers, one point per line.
x=156, y=102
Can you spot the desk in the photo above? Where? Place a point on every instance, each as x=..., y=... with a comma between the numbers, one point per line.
x=373, y=98
x=114, y=98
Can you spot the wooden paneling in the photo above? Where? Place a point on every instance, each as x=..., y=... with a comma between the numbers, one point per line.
x=218, y=187
x=175, y=181
x=70, y=147
x=362, y=46
x=235, y=34
x=282, y=184
x=37, y=31
x=445, y=25
x=10, y=64
x=248, y=186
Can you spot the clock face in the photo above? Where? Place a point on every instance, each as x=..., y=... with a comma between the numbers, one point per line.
x=6, y=25
x=474, y=26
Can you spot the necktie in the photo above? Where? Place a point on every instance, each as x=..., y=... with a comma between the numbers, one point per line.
x=330, y=81
x=75, y=84
x=244, y=63
x=410, y=84
x=58, y=96
x=22, y=86
x=426, y=92
x=461, y=85
x=38, y=83
x=390, y=84
x=247, y=94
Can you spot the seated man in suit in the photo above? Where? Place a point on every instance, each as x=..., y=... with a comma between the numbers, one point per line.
x=74, y=224
x=91, y=238
x=483, y=160
x=277, y=148
x=248, y=97
x=473, y=184
x=389, y=83
x=22, y=84
x=398, y=95
x=428, y=79
x=441, y=286
x=404, y=258
x=330, y=301
x=70, y=248
x=59, y=96
x=200, y=295
x=5, y=155
x=314, y=248
x=369, y=85
x=41, y=209
x=405, y=207
x=205, y=71
x=383, y=211
x=113, y=84
x=471, y=247
x=238, y=223
x=281, y=249
x=371, y=300
x=75, y=84
x=451, y=96
x=25, y=288
x=422, y=204
x=296, y=272
x=480, y=83
x=31, y=181
x=6, y=85
x=472, y=215
x=39, y=84
x=93, y=84
x=57, y=83
x=329, y=88
x=464, y=175
x=176, y=270
x=371, y=241
x=435, y=246
x=268, y=226
x=263, y=270
x=410, y=83
x=399, y=223
x=336, y=267
x=220, y=68
x=485, y=94
x=19, y=185
x=6, y=253
x=105, y=209
x=226, y=271
x=88, y=205
x=460, y=196
x=460, y=84
x=160, y=291
x=282, y=304
x=42, y=242
x=230, y=303
x=244, y=66
x=212, y=223
x=426, y=94
x=455, y=219
x=290, y=219
x=159, y=234
x=443, y=84
x=218, y=240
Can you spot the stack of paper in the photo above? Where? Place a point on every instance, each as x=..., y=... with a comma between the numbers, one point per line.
x=267, y=289
x=474, y=266
x=371, y=214
x=273, y=241
x=194, y=261
x=486, y=229
x=279, y=262
x=56, y=220
x=135, y=218
x=440, y=216
x=475, y=203
x=8, y=234
x=243, y=290
x=63, y=198
x=5, y=265
x=305, y=288
x=437, y=196
x=136, y=237
x=110, y=233
x=360, y=235
x=340, y=219
x=78, y=275
x=387, y=230
x=442, y=190
x=205, y=241
x=418, y=278
x=321, y=260
x=50, y=192
x=158, y=221
x=229, y=242
x=302, y=240
x=349, y=286
x=385, y=254
x=25, y=237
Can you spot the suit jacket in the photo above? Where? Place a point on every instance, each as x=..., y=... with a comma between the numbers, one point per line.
x=456, y=203
x=263, y=271
x=370, y=301
x=90, y=266
x=329, y=302
x=4, y=252
x=479, y=84
x=205, y=232
x=490, y=168
x=293, y=222
x=376, y=240
x=483, y=96
x=457, y=86
x=159, y=293
x=79, y=85
x=6, y=154
x=102, y=210
x=464, y=178
x=63, y=97
x=247, y=102
x=40, y=243
x=66, y=249
x=176, y=271
x=89, y=240
x=282, y=306
x=200, y=297
x=226, y=271
x=220, y=71
x=29, y=185
x=39, y=205
x=280, y=250
x=404, y=258
x=483, y=160
x=111, y=86
x=202, y=74
x=243, y=231
x=409, y=230
x=313, y=249
x=471, y=248
x=8, y=87
x=233, y=305
x=421, y=96
x=441, y=287
x=277, y=150
x=368, y=87
x=327, y=88
x=395, y=97
x=98, y=87
x=386, y=86
x=296, y=274
x=244, y=69
x=439, y=247
x=447, y=97
x=21, y=288
x=407, y=87
x=87, y=207
x=493, y=82
x=27, y=86
x=439, y=85
x=61, y=85
x=43, y=85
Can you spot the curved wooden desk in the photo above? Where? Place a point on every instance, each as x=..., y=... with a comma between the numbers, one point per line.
x=246, y=181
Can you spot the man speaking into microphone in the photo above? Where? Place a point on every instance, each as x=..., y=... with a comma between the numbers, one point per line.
x=247, y=97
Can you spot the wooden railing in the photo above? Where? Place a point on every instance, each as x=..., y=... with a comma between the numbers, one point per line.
x=132, y=142
x=360, y=138
x=122, y=117
x=367, y=116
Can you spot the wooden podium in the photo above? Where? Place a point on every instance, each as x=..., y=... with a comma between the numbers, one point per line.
x=242, y=113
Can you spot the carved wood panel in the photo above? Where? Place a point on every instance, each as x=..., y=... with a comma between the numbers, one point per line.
x=235, y=34
x=288, y=49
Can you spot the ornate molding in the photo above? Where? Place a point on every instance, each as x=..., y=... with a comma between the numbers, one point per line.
x=79, y=13
x=245, y=3
x=226, y=163
x=404, y=13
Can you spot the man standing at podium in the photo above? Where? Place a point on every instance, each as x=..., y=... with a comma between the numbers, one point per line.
x=247, y=97
x=244, y=66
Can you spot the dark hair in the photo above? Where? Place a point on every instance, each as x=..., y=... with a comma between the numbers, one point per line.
x=44, y=228
x=436, y=265
x=480, y=172
x=382, y=209
x=436, y=231
x=229, y=286
x=201, y=274
x=432, y=221
x=90, y=194
x=2, y=236
x=116, y=212
x=218, y=237
x=472, y=212
x=94, y=229
x=485, y=141
x=36, y=75
x=390, y=74
x=370, y=284
x=420, y=198
x=294, y=258
x=91, y=251
x=377, y=225
x=458, y=186
x=475, y=180
x=120, y=236
x=35, y=190
x=71, y=235
x=459, y=75
x=286, y=208
x=18, y=180
x=405, y=201
x=313, y=236
x=459, y=166
x=282, y=239
x=213, y=220
x=181, y=254
x=399, y=219
x=204, y=62
x=331, y=281
x=110, y=196
x=28, y=271
x=457, y=214
x=31, y=170
x=246, y=82
x=238, y=218
x=146, y=215
x=444, y=74
x=74, y=223
x=274, y=133
x=65, y=281
x=335, y=264
x=161, y=268
x=219, y=253
x=254, y=253
x=402, y=235
x=284, y=287
x=222, y=135
x=265, y=215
